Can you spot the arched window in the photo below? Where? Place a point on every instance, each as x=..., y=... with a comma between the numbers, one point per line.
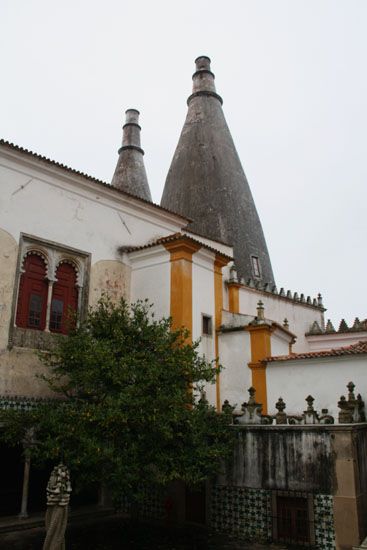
x=32, y=296
x=64, y=298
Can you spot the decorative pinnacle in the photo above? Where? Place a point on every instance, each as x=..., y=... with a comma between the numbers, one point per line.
x=310, y=401
x=351, y=387
x=280, y=405
x=285, y=323
x=260, y=311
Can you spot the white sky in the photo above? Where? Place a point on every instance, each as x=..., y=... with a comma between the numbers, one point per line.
x=292, y=74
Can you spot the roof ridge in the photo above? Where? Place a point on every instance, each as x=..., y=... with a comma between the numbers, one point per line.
x=170, y=238
x=358, y=348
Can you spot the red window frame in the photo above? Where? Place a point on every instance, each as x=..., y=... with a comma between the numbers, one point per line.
x=64, y=298
x=32, y=295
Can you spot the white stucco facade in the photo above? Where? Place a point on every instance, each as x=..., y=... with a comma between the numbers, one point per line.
x=236, y=377
x=300, y=316
x=151, y=278
x=323, y=378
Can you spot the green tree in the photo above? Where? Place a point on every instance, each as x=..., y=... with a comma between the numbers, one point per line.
x=127, y=412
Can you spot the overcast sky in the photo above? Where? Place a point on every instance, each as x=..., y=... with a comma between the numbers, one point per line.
x=292, y=75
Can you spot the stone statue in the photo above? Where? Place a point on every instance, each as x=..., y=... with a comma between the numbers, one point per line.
x=58, y=496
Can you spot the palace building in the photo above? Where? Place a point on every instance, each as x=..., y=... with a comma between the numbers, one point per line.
x=200, y=257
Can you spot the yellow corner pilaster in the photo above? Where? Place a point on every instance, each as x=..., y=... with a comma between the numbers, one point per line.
x=260, y=336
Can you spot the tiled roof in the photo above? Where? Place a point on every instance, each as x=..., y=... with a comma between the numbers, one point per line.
x=172, y=238
x=206, y=237
x=86, y=176
x=355, y=349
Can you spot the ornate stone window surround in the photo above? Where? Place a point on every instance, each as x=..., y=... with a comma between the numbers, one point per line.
x=53, y=255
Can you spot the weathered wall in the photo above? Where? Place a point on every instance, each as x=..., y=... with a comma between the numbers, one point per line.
x=109, y=277
x=8, y=262
x=361, y=456
x=74, y=212
x=19, y=368
x=288, y=458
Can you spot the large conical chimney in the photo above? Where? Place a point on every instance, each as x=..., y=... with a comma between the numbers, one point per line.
x=206, y=181
x=130, y=174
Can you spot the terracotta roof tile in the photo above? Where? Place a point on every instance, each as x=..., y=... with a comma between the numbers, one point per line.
x=86, y=176
x=175, y=237
x=355, y=349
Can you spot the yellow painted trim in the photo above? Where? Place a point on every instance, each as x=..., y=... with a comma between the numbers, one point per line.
x=260, y=336
x=219, y=263
x=181, y=252
x=234, y=297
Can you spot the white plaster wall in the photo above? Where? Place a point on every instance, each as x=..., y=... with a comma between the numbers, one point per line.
x=300, y=316
x=235, y=378
x=151, y=278
x=325, y=379
x=336, y=340
x=279, y=343
x=203, y=302
x=45, y=202
x=203, y=299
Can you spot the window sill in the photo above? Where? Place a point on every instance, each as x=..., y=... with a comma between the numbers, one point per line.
x=34, y=339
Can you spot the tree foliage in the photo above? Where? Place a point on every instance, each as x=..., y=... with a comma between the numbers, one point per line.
x=126, y=412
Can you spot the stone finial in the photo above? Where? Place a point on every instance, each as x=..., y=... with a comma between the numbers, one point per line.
x=329, y=327
x=251, y=410
x=310, y=401
x=289, y=294
x=351, y=387
x=280, y=405
x=281, y=416
x=351, y=409
x=357, y=324
x=343, y=327
x=315, y=328
x=251, y=283
x=260, y=312
x=309, y=301
x=302, y=298
x=233, y=277
x=319, y=300
x=281, y=292
x=285, y=323
x=227, y=407
x=310, y=415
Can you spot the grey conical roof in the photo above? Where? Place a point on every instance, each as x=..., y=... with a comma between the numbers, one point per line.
x=206, y=181
x=130, y=174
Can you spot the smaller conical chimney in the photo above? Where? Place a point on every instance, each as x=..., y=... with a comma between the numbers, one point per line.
x=130, y=174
